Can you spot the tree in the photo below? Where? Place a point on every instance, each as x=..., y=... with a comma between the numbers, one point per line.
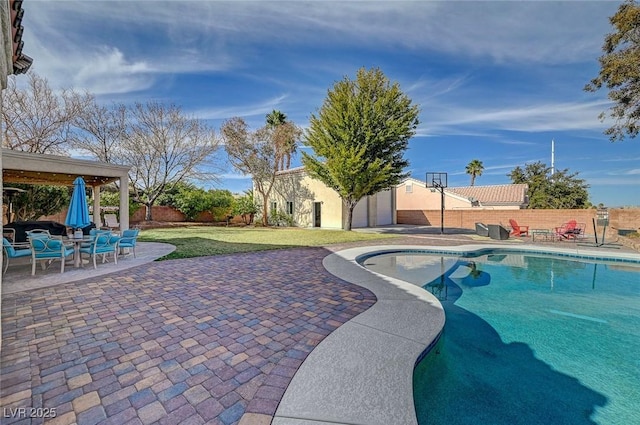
x=359, y=137
x=474, y=169
x=101, y=130
x=551, y=191
x=257, y=153
x=620, y=72
x=36, y=119
x=164, y=148
x=286, y=138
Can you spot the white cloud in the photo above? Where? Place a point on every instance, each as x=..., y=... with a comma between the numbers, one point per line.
x=537, y=118
x=548, y=32
x=234, y=176
x=261, y=108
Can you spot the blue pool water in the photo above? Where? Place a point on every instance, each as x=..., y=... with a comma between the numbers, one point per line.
x=528, y=339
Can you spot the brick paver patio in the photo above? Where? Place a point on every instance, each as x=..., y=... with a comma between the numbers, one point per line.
x=206, y=340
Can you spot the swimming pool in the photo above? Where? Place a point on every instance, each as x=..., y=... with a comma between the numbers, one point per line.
x=528, y=339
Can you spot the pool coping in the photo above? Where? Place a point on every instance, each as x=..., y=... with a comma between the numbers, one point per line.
x=362, y=373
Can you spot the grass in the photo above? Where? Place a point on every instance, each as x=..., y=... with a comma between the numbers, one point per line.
x=199, y=241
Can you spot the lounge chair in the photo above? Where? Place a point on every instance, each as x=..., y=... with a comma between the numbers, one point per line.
x=111, y=222
x=482, y=229
x=496, y=231
x=570, y=231
x=517, y=230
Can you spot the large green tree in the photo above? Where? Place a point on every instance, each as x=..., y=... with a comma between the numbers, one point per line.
x=359, y=137
x=474, y=169
x=548, y=190
x=620, y=72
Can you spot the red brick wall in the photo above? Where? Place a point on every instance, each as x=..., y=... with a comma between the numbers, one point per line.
x=627, y=218
x=534, y=218
x=158, y=213
x=170, y=214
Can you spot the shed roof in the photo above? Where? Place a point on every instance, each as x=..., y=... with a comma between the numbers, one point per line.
x=503, y=194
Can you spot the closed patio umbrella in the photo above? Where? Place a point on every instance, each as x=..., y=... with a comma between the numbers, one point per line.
x=78, y=213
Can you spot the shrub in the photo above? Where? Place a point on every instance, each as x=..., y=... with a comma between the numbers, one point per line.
x=192, y=202
x=245, y=207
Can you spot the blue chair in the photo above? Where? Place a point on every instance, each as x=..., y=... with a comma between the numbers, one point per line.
x=47, y=248
x=16, y=250
x=93, y=233
x=38, y=233
x=102, y=243
x=128, y=240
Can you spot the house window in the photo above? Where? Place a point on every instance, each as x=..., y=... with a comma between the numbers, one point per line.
x=274, y=207
x=290, y=207
x=409, y=187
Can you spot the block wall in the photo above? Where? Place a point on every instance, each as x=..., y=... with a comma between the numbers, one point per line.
x=628, y=218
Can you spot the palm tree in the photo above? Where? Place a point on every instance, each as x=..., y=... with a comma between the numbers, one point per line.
x=275, y=118
x=286, y=145
x=474, y=169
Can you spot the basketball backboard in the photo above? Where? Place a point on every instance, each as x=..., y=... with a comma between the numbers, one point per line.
x=437, y=180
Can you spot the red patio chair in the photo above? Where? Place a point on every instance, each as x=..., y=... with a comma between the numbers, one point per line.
x=517, y=230
x=568, y=231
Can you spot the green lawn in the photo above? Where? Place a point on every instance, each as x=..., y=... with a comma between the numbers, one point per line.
x=198, y=241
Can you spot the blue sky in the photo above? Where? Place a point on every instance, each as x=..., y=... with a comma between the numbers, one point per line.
x=495, y=81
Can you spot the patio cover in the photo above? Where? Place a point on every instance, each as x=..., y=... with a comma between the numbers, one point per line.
x=32, y=168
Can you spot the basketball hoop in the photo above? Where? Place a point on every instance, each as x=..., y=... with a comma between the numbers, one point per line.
x=437, y=180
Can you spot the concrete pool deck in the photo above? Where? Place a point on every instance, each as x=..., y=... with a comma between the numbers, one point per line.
x=268, y=337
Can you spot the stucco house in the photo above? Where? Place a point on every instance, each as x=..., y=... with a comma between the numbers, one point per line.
x=312, y=204
x=413, y=194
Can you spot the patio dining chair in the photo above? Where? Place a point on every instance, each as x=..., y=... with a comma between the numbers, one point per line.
x=38, y=233
x=103, y=243
x=9, y=233
x=128, y=240
x=45, y=248
x=15, y=250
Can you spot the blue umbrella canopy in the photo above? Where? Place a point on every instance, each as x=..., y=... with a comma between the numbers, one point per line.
x=78, y=213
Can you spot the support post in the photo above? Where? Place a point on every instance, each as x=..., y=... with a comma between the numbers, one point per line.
x=124, y=202
x=441, y=210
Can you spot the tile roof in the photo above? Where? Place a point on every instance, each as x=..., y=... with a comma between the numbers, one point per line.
x=504, y=194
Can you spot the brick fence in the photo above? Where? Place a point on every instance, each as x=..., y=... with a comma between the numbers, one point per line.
x=170, y=214
x=619, y=218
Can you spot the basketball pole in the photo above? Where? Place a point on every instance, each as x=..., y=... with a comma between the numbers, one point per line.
x=438, y=181
x=441, y=210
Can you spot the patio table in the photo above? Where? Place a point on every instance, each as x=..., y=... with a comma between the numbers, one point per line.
x=544, y=234
x=77, y=242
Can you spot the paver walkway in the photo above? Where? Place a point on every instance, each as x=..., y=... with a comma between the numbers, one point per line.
x=205, y=340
